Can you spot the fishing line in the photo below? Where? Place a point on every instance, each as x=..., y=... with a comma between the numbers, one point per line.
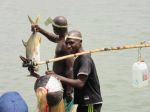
x=47, y=65
x=139, y=54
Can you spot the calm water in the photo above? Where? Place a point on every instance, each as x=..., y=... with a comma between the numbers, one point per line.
x=103, y=23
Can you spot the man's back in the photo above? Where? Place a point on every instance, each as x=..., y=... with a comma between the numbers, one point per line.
x=91, y=90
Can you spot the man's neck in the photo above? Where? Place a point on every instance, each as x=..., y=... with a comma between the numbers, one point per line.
x=62, y=36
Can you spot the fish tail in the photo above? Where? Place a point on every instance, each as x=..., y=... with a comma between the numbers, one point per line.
x=31, y=21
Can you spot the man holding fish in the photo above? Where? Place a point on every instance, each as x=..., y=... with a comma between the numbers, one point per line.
x=63, y=67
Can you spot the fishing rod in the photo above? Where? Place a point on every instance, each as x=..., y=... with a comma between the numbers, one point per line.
x=115, y=48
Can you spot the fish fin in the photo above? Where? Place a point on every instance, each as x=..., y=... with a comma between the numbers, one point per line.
x=23, y=59
x=37, y=20
x=48, y=21
x=24, y=43
x=31, y=21
x=33, y=74
x=40, y=39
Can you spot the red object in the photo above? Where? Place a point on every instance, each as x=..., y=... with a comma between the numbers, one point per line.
x=145, y=76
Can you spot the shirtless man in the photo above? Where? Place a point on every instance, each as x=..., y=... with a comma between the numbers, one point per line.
x=63, y=67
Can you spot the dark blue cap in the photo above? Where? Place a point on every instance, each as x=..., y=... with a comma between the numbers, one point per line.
x=12, y=102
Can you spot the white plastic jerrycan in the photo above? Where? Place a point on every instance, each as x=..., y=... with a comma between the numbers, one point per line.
x=140, y=75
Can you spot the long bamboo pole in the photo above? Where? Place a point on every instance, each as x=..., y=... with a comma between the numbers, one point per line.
x=93, y=51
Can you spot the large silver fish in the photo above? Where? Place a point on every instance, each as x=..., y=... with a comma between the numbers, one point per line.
x=33, y=45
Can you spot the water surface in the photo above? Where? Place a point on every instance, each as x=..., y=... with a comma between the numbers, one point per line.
x=103, y=23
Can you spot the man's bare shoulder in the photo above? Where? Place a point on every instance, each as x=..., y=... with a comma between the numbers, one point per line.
x=61, y=49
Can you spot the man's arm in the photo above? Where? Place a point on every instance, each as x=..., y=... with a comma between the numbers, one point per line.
x=50, y=36
x=76, y=83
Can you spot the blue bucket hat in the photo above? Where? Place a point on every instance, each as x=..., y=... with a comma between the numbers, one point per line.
x=12, y=102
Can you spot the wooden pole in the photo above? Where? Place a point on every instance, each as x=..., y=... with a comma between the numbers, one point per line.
x=93, y=51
